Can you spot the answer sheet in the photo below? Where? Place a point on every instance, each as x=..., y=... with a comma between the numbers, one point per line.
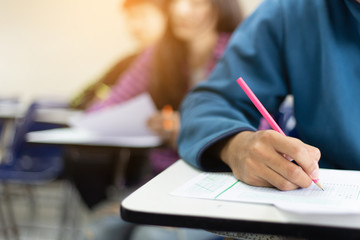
x=341, y=195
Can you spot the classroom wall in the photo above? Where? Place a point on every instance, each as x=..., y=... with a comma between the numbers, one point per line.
x=53, y=48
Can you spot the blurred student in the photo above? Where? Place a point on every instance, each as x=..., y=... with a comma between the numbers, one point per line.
x=145, y=21
x=92, y=170
x=194, y=41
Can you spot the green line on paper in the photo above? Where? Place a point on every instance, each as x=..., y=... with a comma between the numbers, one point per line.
x=226, y=189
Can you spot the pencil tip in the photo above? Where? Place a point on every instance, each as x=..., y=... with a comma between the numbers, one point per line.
x=319, y=185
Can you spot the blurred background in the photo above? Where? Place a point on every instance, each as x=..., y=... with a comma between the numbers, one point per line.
x=55, y=48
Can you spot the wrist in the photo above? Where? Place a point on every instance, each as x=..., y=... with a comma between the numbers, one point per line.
x=232, y=145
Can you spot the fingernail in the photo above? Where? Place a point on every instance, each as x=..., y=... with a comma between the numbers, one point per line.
x=315, y=174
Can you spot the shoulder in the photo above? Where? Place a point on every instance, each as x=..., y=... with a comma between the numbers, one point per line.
x=143, y=60
x=273, y=17
x=293, y=5
x=306, y=10
x=147, y=54
x=295, y=9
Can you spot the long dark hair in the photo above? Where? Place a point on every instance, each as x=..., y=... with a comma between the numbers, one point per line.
x=169, y=81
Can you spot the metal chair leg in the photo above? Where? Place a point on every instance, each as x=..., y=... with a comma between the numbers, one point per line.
x=3, y=224
x=68, y=214
x=120, y=168
x=12, y=222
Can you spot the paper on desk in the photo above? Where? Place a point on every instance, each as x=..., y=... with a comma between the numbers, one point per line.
x=126, y=119
x=341, y=195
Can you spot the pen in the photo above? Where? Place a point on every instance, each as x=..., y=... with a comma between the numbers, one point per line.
x=267, y=117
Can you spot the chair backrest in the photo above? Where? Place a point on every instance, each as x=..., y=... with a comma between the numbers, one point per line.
x=5, y=104
x=29, y=123
x=22, y=127
x=27, y=158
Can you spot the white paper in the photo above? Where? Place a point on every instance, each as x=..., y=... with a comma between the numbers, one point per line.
x=126, y=119
x=341, y=195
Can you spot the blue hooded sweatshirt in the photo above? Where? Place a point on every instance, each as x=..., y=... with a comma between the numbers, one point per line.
x=307, y=48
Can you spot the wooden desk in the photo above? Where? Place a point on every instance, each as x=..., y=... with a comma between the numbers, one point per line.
x=152, y=204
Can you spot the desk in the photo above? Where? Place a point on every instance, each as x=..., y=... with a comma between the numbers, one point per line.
x=72, y=136
x=152, y=204
x=97, y=150
x=55, y=115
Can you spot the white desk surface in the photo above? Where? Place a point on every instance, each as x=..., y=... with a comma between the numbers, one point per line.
x=152, y=204
x=10, y=111
x=49, y=115
x=71, y=136
x=55, y=115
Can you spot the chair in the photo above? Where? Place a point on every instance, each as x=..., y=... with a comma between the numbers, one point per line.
x=8, y=106
x=9, y=110
x=30, y=164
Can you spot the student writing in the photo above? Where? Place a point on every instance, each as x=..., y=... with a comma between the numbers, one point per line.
x=286, y=47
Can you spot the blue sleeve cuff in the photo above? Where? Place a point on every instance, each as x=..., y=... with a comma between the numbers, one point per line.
x=207, y=162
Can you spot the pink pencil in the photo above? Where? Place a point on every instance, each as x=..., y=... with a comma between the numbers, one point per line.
x=267, y=116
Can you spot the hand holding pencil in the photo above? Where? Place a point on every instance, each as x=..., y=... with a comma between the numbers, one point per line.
x=257, y=158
